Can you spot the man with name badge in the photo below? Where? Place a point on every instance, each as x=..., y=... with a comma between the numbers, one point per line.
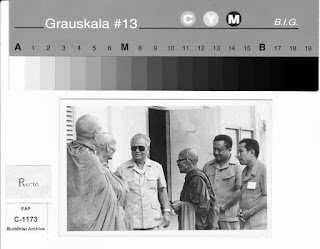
x=148, y=201
x=224, y=173
x=253, y=204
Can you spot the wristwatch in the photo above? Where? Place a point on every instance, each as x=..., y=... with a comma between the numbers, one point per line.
x=167, y=210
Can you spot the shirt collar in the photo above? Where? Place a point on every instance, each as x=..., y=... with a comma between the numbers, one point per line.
x=253, y=171
x=132, y=163
x=231, y=161
x=255, y=167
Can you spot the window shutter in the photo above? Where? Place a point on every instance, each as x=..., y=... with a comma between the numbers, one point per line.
x=70, y=115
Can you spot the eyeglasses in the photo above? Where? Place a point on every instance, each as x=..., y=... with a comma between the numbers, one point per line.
x=180, y=160
x=141, y=148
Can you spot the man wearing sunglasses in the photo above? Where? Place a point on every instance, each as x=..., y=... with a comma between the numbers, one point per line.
x=196, y=208
x=148, y=201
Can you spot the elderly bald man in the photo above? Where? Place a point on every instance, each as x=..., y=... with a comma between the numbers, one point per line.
x=105, y=153
x=196, y=208
x=92, y=204
x=107, y=148
x=120, y=186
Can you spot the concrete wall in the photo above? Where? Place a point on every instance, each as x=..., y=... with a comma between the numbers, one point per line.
x=125, y=121
x=190, y=129
x=236, y=116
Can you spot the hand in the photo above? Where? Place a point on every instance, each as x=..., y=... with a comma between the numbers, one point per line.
x=166, y=219
x=215, y=223
x=246, y=214
x=239, y=215
x=176, y=205
x=222, y=208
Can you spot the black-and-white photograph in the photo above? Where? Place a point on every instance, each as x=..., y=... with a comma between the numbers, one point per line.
x=164, y=167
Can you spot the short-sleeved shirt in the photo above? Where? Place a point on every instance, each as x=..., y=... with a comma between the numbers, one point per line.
x=225, y=181
x=143, y=203
x=254, y=186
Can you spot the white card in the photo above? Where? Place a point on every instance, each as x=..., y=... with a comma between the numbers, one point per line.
x=27, y=217
x=28, y=181
x=251, y=185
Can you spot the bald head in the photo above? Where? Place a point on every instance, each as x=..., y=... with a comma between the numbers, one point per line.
x=190, y=154
x=87, y=125
x=108, y=138
x=107, y=147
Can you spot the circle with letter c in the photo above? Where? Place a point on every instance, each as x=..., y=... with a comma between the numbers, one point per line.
x=188, y=18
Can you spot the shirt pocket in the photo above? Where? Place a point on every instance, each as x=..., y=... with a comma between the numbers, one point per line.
x=228, y=179
x=156, y=208
x=152, y=182
x=131, y=184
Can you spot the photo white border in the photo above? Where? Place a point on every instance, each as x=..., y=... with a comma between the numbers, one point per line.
x=148, y=103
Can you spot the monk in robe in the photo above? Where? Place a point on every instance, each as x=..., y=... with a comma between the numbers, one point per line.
x=92, y=204
x=196, y=208
x=119, y=184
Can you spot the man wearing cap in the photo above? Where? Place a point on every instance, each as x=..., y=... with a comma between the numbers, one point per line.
x=196, y=208
x=224, y=172
x=148, y=201
x=253, y=204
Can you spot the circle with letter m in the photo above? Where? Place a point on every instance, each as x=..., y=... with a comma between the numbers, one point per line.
x=234, y=18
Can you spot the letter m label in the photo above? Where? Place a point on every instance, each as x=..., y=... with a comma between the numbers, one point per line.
x=233, y=19
x=124, y=46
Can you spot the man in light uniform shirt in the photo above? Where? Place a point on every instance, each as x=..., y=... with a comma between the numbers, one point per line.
x=224, y=173
x=253, y=204
x=148, y=201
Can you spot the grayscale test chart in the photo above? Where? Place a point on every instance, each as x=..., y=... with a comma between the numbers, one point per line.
x=216, y=46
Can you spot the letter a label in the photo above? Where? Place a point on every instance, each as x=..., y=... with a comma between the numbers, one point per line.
x=17, y=47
